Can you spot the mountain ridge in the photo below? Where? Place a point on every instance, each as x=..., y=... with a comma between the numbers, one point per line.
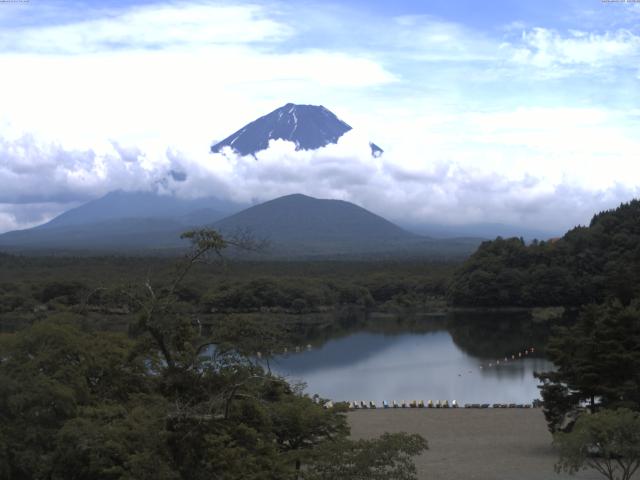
x=298, y=217
x=295, y=225
x=120, y=204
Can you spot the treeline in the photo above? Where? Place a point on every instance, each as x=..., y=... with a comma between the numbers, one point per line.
x=587, y=265
x=299, y=295
x=35, y=288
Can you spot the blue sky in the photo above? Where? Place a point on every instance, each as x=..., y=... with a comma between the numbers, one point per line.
x=522, y=112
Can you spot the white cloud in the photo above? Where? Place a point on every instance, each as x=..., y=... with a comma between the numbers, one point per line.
x=155, y=27
x=471, y=129
x=436, y=189
x=18, y=216
x=544, y=48
x=37, y=171
x=170, y=94
x=544, y=168
x=425, y=38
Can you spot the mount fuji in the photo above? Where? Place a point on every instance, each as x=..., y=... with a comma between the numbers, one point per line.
x=309, y=127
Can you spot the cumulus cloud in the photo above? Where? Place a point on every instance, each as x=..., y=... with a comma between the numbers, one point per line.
x=440, y=190
x=442, y=185
x=37, y=171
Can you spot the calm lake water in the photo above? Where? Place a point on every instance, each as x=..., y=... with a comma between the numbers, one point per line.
x=407, y=366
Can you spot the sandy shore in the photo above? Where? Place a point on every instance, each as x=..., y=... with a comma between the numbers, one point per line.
x=470, y=444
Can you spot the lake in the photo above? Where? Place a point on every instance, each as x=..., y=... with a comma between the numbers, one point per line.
x=422, y=365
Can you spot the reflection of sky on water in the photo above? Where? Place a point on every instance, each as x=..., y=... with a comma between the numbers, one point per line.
x=406, y=367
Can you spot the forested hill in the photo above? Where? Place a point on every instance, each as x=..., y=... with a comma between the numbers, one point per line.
x=587, y=265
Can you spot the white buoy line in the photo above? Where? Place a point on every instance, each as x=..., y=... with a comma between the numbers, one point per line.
x=514, y=357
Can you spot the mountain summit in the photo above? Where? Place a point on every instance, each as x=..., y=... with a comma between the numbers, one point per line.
x=302, y=225
x=308, y=126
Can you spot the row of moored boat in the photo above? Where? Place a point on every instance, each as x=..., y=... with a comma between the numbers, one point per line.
x=362, y=404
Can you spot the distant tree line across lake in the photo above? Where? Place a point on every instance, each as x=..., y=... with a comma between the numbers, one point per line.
x=33, y=288
x=589, y=264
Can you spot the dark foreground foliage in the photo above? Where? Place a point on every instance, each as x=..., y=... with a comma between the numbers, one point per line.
x=598, y=363
x=167, y=404
x=607, y=441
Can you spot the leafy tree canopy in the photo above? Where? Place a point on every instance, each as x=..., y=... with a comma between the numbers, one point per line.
x=597, y=360
x=607, y=441
x=588, y=264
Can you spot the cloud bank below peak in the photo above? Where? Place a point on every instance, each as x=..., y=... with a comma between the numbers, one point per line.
x=442, y=185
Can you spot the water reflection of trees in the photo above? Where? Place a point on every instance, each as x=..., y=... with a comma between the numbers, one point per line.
x=495, y=335
x=518, y=369
x=488, y=335
x=347, y=321
x=482, y=334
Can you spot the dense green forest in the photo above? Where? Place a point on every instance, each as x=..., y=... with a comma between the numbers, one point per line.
x=95, y=288
x=587, y=265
